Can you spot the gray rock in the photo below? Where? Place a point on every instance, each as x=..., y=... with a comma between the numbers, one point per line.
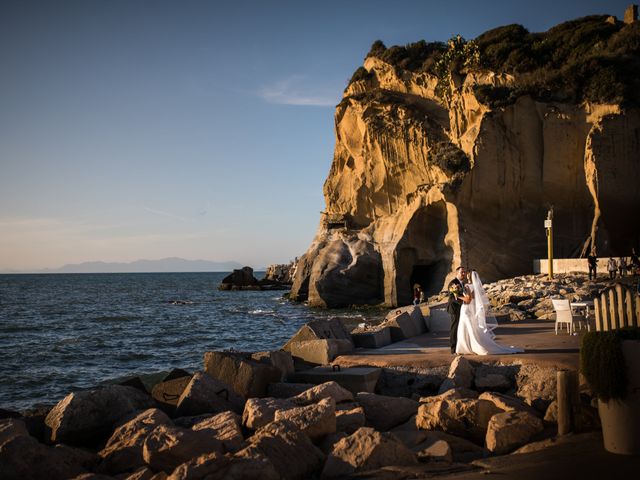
x=286, y=390
x=166, y=447
x=246, y=376
x=493, y=382
x=314, y=420
x=384, y=413
x=123, y=451
x=226, y=427
x=89, y=415
x=205, y=394
x=12, y=427
x=290, y=452
x=324, y=390
x=510, y=430
x=259, y=412
x=461, y=375
x=23, y=457
x=465, y=418
x=364, y=450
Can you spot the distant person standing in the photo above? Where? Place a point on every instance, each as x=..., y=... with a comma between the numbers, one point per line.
x=592, y=260
x=418, y=294
x=612, y=266
x=622, y=266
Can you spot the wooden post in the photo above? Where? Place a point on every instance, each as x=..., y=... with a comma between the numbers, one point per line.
x=606, y=322
x=613, y=310
x=622, y=312
x=568, y=399
x=632, y=320
x=638, y=309
x=596, y=306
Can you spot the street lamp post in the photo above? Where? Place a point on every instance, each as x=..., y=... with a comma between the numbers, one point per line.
x=548, y=225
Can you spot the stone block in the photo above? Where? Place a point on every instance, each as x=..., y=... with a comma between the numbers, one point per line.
x=332, y=329
x=372, y=339
x=90, y=415
x=205, y=394
x=356, y=379
x=279, y=359
x=246, y=376
x=167, y=393
x=438, y=320
x=321, y=351
x=401, y=327
x=286, y=390
x=383, y=412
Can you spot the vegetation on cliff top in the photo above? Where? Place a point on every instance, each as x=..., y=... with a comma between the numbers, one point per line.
x=587, y=59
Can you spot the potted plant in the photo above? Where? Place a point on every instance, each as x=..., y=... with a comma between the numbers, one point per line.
x=610, y=362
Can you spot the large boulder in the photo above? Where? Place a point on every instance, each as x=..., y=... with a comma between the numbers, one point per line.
x=205, y=394
x=12, y=427
x=510, y=430
x=536, y=386
x=123, y=451
x=383, y=412
x=350, y=419
x=366, y=449
x=324, y=390
x=226, y=427
x=239, y=279
x=507, y=403
x=315, y=420
x=321, y=351
x=259, y=412
x=279, y=359
x=461, y=375
x=168, y=391
x=90, y=415
x=23, y=457
x=213, y=466
x=290, y=452
x=246, y=376
x=167, y=446
x=466, y=418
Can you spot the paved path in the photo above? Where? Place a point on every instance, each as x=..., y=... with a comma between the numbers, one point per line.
x=542, y=347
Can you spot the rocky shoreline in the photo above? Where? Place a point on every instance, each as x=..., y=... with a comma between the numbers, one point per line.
x=279, y=415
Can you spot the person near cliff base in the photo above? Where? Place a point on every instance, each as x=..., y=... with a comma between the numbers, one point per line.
x=622, y=266
x=418, y=294
x=592, y=260
x=612, y=266
x=457, y=297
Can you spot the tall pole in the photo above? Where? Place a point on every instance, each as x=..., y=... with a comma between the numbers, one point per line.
x=548, y=224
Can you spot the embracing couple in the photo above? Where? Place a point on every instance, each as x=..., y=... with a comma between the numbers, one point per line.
x=471, y=324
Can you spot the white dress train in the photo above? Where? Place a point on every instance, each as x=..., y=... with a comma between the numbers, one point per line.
x=475, y=329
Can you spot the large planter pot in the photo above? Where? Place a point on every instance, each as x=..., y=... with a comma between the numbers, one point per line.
x=621, y=417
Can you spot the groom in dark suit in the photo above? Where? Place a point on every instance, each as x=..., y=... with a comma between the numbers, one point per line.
x=456, y=292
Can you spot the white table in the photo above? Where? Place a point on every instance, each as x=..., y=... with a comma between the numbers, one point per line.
x=587, y=305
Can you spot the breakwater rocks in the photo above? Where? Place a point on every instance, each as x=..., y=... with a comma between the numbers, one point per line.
x=279, y=414
x=276, y=278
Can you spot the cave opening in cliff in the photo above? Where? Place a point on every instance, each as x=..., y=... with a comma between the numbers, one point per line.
x=421, y=255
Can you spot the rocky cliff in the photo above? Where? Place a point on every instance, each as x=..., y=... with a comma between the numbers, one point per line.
x=453, y=154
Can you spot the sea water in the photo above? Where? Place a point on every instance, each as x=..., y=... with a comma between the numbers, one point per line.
x=65, y=332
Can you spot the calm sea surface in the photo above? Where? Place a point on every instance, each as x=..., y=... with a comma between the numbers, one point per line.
x=71, y=331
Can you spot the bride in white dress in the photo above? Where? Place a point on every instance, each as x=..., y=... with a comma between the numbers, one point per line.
x=475, y=330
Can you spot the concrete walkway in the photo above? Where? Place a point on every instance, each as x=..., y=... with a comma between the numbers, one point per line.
x=537, y=337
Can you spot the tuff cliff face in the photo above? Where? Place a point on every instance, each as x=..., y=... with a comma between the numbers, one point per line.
x=421, y=184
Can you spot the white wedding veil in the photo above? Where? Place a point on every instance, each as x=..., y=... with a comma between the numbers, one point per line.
x=486, y=320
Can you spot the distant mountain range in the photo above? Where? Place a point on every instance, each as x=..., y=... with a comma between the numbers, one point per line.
x=172, y=264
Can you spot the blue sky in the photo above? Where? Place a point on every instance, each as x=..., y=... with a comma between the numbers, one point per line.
x=201, y=129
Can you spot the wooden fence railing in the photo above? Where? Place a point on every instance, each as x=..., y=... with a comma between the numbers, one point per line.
x=617, y=307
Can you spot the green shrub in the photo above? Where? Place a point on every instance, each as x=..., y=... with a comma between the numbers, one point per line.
x=602, y=362
x=586, y=59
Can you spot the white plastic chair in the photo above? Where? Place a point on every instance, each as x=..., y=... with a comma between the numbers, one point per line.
x=564, y=314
